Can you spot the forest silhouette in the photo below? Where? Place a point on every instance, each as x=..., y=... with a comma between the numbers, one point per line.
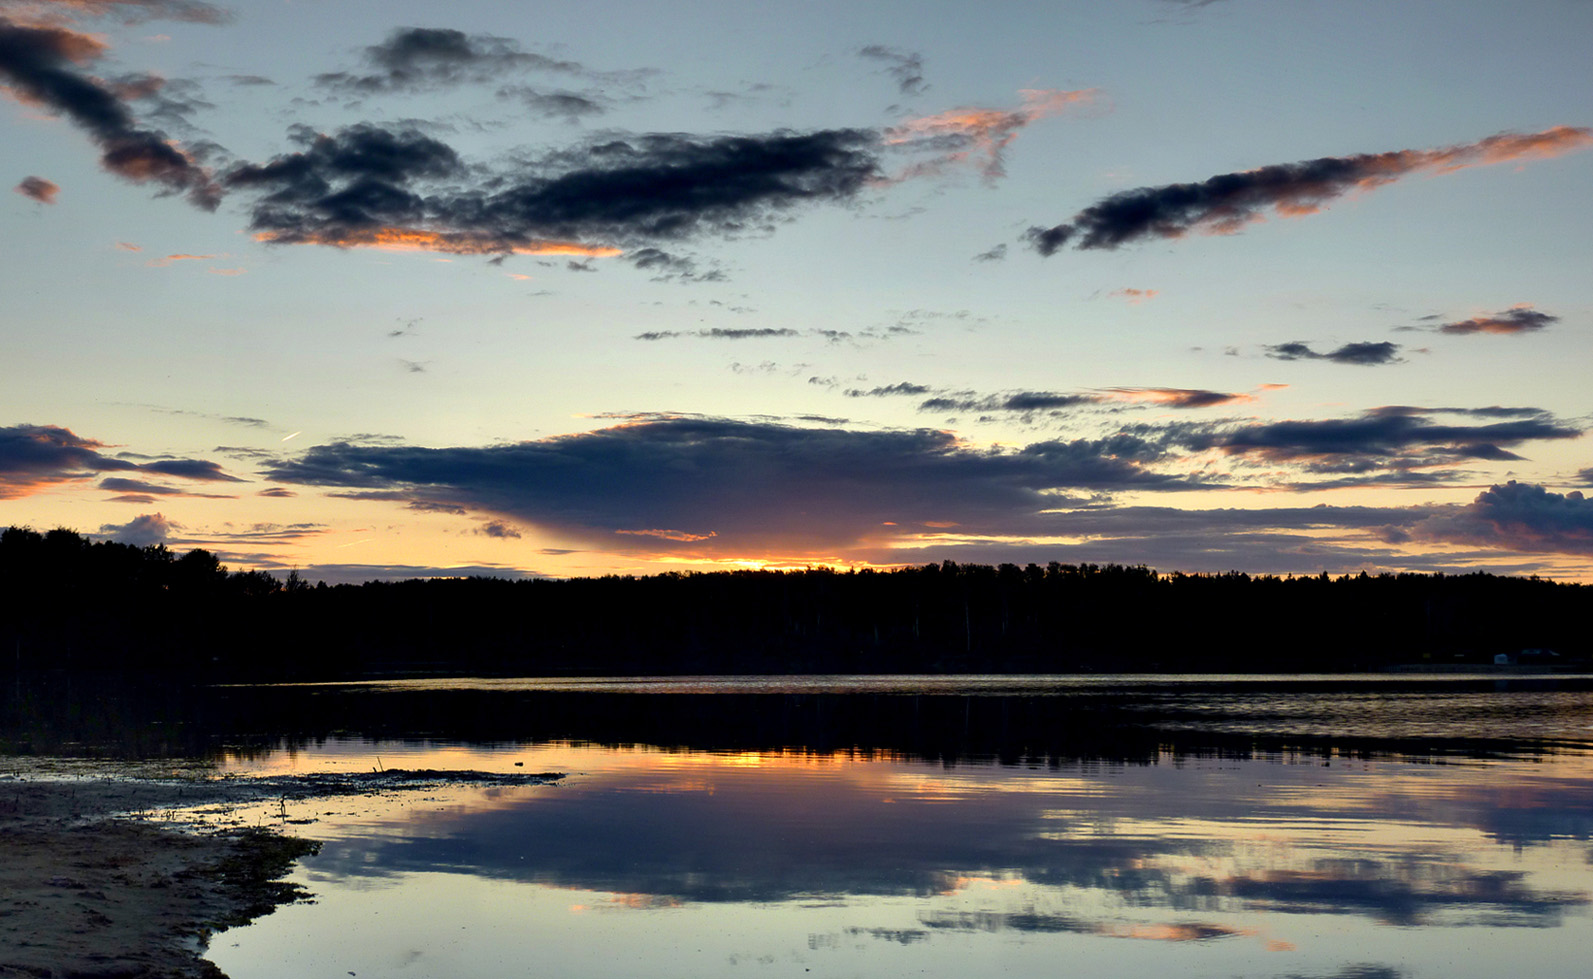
x=72, y=603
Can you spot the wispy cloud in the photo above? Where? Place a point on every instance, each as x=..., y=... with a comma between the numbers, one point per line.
x=166, y=260
x=977, y=136
x=559, y=104
x=906, y=67
x=1226, y=203
x=720, y=333
x=1133, y=296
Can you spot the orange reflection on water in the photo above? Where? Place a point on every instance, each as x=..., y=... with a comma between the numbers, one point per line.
x=1181, y=932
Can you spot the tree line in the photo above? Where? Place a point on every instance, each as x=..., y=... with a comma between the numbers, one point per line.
x=77, y=604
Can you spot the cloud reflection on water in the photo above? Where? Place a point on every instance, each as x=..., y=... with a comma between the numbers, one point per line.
x=1189, y=842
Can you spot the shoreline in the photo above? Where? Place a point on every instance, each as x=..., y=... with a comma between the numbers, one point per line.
x=124, y=870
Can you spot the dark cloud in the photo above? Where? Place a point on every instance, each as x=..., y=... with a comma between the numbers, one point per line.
x=720, y=333
x=499, y=529
x=366, y=185
x=190, y=469
x=425, y=57
x=1226, y=203
x=1367, y=354
x=40, y=64
x=1397, y=437
x=1021, y=401
x=1028, y=402
x=1490, y=411
x=1518, y=517
x=33, y=457
x=1178, y=397
x=1516, y=319
x=888, y=391
x=1030, y=921
x=39, y=189
x=119, y=485
x=667, y=267
x=906, y=67
x=738, y=486
x=995, y=254
x=1585, y=477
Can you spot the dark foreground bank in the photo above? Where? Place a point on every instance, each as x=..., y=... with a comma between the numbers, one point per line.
x=105, y=870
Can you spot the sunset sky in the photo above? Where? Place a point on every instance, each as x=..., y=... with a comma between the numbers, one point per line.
x=398, y=289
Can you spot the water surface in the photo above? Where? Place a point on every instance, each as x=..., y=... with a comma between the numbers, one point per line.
x=1329, y=827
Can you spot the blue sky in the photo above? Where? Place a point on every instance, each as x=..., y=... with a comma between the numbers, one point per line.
x=393, y=289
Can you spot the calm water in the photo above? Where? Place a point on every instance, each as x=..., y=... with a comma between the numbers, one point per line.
x=1350, y=827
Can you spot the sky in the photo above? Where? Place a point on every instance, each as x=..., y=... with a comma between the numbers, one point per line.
x=407, y=289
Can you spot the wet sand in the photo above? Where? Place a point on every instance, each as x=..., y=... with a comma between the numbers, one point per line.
x=127, y=869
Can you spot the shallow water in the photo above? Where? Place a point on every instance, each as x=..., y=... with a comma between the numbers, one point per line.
x=1321, y=828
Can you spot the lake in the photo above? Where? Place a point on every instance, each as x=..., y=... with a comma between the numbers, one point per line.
x=1353, y=827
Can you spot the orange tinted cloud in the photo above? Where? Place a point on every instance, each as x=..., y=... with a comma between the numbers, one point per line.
x=74, y=46
x=674, y=535
x=1520, y=318
x=1178, y=397
x=160, y=263
x=44, y=65
x=1134, y=296
x=1385, y=168
x=417, y=239
x=1226, y=203
x=39, y=189
x=963, y=135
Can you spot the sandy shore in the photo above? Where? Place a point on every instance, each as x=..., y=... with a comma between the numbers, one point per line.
x=127, y=869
